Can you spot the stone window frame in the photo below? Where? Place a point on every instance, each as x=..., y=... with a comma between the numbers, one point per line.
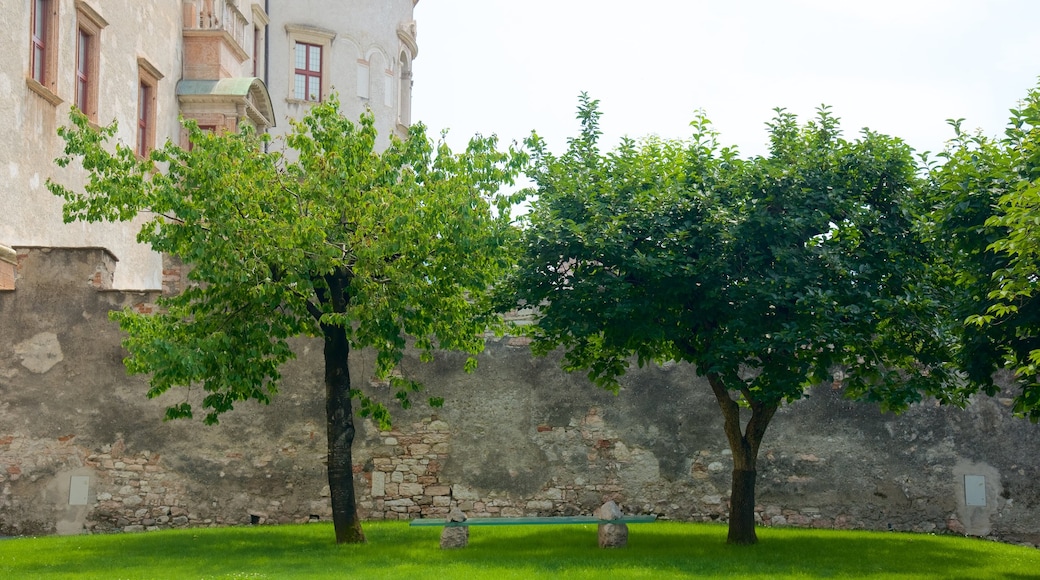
x=89, y=25
x=42, y=76
x=314, y=36
x=407, y=53
x=147, y=103
x=260, y=22
x=213, y=128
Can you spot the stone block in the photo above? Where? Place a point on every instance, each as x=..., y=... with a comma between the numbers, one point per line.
x=410, y=489
x=440, y=448
x=540, y=506
x=132, y=501
x=438, y=426
x=462, y=492
x=378, y=484
x=418, y=449
x=613, y=535
x=454, y=537
x=608, y=511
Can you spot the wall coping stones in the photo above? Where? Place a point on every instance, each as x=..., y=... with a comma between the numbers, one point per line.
x=8, y=255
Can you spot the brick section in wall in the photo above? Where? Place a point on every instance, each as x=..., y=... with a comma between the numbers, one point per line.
x=174, y=275
x=405, y=481
x=135, y=493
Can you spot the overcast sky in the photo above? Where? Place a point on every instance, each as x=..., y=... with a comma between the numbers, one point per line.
x=897, y=66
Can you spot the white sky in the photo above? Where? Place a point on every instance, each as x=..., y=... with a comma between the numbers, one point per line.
x=897, y=66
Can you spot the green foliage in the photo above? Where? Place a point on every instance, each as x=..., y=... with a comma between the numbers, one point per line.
x=768, y=273
x=329, y=234
x=987, y=222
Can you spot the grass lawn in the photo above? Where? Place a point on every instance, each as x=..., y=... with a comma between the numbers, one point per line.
x=657, y=550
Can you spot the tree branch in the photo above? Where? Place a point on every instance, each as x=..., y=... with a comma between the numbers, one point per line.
x=731, y=415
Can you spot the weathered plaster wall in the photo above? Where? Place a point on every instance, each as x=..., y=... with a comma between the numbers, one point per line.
x=518, y=436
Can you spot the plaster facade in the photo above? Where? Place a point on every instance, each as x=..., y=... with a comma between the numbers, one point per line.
x=209, y=60
x=135, y=31
x=368, y=66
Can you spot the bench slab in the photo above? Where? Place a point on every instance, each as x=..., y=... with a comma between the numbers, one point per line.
x=530, y=521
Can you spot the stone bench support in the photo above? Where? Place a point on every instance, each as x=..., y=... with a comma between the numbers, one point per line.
x=612, y=525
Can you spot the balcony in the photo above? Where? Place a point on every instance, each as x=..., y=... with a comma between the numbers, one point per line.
x=217, y=39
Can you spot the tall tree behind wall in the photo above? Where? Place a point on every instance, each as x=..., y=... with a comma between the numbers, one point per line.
x=986, y=220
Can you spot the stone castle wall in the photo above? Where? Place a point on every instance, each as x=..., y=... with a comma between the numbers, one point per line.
x=83, y=449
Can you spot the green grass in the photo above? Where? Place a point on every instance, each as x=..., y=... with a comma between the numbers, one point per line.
x=658, y=550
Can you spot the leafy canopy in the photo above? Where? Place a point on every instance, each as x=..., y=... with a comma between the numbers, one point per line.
x=768, y=273
x=328, y=233
x=987, y=221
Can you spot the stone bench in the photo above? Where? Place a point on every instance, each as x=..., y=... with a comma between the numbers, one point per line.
x=613, y=525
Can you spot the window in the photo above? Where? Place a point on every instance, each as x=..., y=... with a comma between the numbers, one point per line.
x=83, y=72
x=406, y=34
x=362, y=79
x=404, y=95
x=307, y=82
x=88, y=41
x=43, y=44
x=256, y=51
x=40, y=21
x=147, y=88
x=260, y=21
x=145, y=116
x=309, y=51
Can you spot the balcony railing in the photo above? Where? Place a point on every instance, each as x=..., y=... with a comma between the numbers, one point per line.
x=217, y=15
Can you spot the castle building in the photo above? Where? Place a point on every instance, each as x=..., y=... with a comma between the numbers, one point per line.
x=145, y=65
x=83, y=450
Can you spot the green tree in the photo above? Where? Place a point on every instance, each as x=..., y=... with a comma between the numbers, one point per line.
x=335, y=240
x=769, y=274
x=986, y=197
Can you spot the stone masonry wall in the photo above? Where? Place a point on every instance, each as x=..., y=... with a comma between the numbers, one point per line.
x=83, y=450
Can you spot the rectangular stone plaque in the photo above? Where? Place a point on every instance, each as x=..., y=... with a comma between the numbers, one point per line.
x=975, y=490
x=79, y=487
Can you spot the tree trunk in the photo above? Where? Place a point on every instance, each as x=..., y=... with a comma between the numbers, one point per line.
x=742, y=508
x=340, y=425
x=744, y=445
